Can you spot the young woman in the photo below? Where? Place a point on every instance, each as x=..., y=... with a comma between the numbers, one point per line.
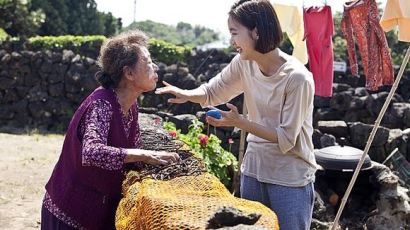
x=279, y=165
x=85, y=186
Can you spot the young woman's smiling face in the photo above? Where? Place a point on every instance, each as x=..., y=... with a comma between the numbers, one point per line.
x=241, y=38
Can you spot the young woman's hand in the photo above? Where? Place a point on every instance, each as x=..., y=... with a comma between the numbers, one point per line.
x=229, y=118
x=180, y=95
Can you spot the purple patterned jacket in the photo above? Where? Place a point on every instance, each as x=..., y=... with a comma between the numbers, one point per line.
x=90, y=194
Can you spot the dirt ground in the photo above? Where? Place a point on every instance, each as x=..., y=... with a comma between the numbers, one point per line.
x=26, y=162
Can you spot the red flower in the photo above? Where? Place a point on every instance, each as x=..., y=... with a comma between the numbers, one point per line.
x=203, y=139
x=157, y=121
x=230, y=141
x=173, y=133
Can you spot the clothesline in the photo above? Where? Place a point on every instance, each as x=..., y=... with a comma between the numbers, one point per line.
x=336, y=5
x=311, y=30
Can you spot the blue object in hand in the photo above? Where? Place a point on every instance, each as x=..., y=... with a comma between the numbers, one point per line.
x=215, y=113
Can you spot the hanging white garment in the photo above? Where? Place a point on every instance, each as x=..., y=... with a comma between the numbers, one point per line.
x=397, y=13
x=291, y=22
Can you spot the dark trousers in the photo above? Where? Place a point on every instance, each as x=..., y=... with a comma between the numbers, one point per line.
x=51, y=222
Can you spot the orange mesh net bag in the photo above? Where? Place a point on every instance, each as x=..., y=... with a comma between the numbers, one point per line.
x=183, y=196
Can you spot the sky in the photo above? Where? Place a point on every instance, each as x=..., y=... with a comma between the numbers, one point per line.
x=212, y=14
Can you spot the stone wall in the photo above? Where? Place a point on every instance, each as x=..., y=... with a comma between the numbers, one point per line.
x=43, y=89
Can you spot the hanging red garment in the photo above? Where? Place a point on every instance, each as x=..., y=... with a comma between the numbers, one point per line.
x=318, y=23
x=361, y=20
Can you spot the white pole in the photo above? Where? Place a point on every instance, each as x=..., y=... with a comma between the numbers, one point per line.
x=243, y=136
x=237, y=179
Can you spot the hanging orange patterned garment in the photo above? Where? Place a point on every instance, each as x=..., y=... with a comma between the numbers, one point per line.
x=361, y=21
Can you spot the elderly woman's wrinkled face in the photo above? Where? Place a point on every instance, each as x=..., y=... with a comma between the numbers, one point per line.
x=145, y=72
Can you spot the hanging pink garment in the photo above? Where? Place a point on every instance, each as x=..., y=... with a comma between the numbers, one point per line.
x=318, y=34
x=361, y=20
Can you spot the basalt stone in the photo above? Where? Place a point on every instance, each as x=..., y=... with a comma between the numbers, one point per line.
x=182, y=71
x=359, y=134
x=76, y=59
x=56, y=57
x=6, y=112
x=172, y=69
x=36, y=109
x=316, y=138
x=182, y=121
x=22, y=91
x=87, y=83
x=56, y=90
x=10, y=96
x=357, y=103
x=7, y=82
x=46, y=67
x=321, y=102
x=340, y=87
x=336, y=128
x=37, y=93
x=341, y=101
x=68, y=55
x=327, y=114
x=375, y=102
x=15, y=56
x=170, y=78
x=360, y=92
x=396, y=140
x=327, y=140
x=188, y=82
x=378, y=153
x=229, y=216
x=32, y=80
x=5, y=59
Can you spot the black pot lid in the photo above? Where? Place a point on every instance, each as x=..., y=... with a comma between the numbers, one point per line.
x=341, y=158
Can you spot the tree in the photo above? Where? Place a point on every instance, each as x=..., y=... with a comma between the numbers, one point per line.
x=339, y=41
x=17, y=20
x=181, y=26
x=181, y=34
x=75, y=17
x=56, y=15
x=397, y=48
x=111, y=24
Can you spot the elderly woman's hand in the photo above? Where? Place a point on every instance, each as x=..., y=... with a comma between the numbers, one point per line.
x=161, y=158
x=151, y=157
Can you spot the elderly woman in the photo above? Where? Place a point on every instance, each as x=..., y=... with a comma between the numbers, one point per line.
x=85, y=186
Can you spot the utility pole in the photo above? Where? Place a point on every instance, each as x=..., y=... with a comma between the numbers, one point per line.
x=135, y=10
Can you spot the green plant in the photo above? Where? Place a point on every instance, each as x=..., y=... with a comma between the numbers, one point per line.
x=161, y=51
x=167, y=53
x=3, y=34
x=208, y=148
x=66, y=42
